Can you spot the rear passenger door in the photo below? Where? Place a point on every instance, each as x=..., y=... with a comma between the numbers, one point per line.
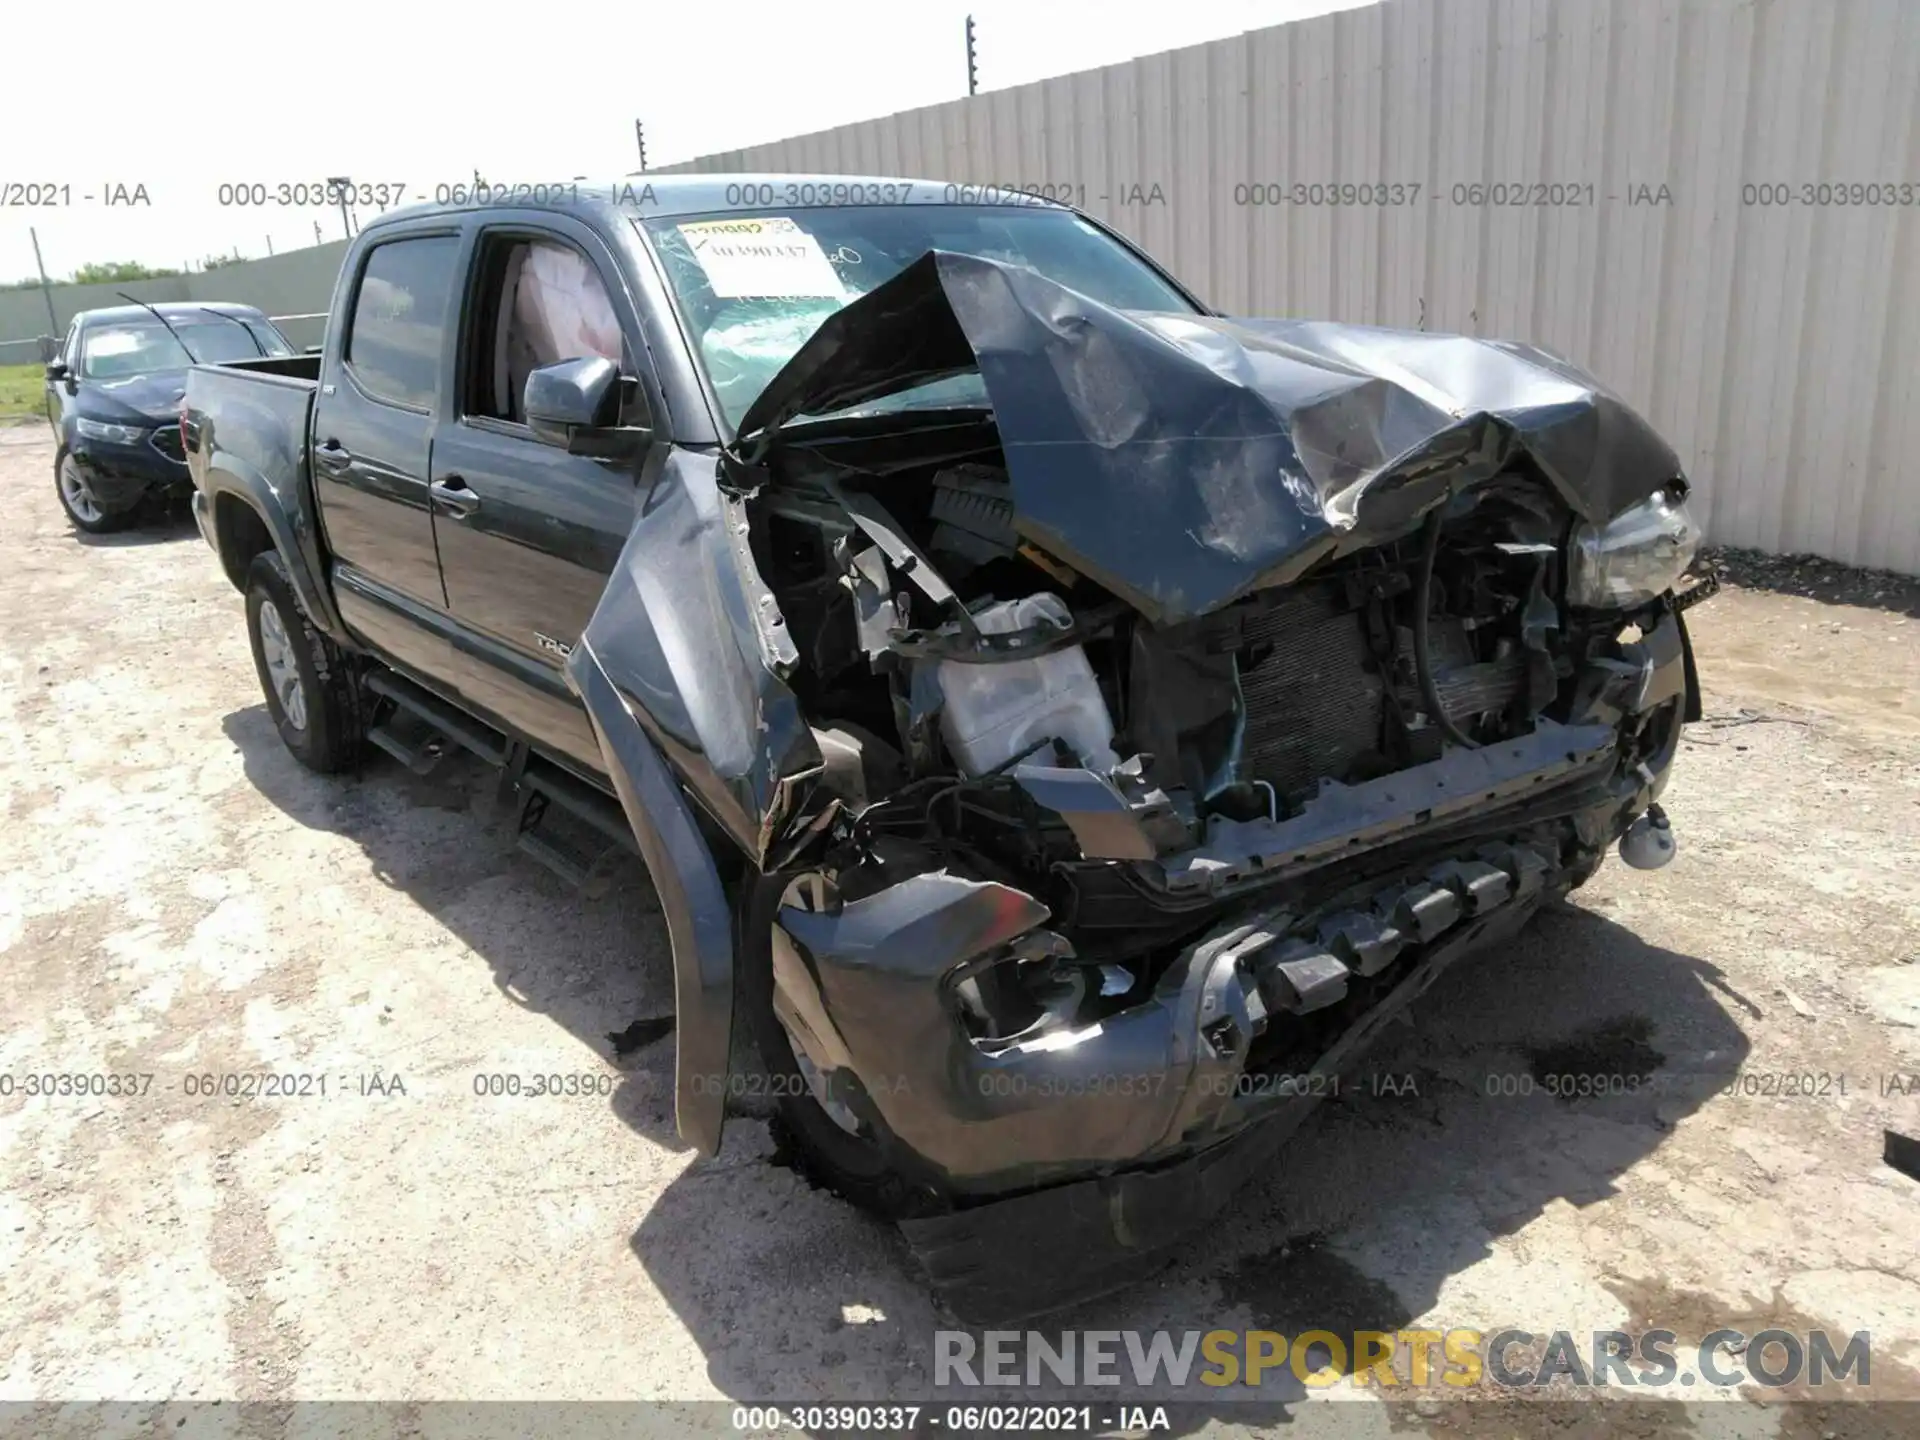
x=373, y=436
x=529, y=533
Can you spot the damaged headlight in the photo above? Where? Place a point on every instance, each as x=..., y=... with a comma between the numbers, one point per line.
x=1031, y=987
x=1634, y=557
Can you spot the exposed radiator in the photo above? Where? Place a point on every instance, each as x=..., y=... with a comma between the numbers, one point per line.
x=1314, y=704
x=1312, y=707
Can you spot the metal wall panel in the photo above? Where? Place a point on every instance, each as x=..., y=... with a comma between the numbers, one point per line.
x=1776, y=345
x=293, y=282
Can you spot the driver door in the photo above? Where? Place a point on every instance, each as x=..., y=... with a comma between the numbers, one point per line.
x=527, y=532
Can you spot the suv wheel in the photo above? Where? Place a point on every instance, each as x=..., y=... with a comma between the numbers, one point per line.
x=311, y=689
x=83, y=507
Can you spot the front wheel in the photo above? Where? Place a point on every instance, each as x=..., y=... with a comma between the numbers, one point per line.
x=84, y=508
x=836, y=1134
x=312, y=692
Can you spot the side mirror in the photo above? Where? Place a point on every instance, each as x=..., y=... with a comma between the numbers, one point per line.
x=576, y=404
x=57, y=370
x=313, y=350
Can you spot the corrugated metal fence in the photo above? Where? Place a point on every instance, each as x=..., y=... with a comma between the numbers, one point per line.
x=1712, y=204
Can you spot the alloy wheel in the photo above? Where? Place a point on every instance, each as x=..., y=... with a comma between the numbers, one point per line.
x=282, y=671
x=78, y=495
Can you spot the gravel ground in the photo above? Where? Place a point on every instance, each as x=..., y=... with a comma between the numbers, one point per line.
x=178, y=898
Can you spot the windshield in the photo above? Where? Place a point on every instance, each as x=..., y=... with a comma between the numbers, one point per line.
x=139, y=347
x=752, y=286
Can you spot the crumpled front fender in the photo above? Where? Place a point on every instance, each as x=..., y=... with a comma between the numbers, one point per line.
x=687, y=632
x=699, y=921
x=680, y=673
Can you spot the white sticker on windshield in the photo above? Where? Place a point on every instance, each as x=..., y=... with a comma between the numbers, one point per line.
x=770, y=256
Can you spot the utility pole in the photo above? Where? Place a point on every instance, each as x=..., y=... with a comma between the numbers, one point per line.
x=341, y=186
x=640, y=139
x=316, y=234
x=973, y=75
x=269, y=244
x=46, y=290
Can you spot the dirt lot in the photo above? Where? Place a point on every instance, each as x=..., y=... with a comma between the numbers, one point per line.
x=178, y=898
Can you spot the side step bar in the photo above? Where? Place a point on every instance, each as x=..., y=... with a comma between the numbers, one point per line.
x=455, y=725
x=410, y=740
x=550, y=801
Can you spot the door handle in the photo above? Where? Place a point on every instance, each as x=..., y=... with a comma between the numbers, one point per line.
x=333, y=457
x=451, y=494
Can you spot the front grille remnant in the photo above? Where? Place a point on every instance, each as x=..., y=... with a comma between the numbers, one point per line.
x=1298, y=969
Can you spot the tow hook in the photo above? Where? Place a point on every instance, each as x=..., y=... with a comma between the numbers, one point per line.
x=1648, y=843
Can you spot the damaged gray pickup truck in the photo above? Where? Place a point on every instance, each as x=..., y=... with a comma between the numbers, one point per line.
x=1064, y=721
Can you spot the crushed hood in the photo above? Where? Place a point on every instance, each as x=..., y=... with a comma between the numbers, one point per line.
x=1186, y=460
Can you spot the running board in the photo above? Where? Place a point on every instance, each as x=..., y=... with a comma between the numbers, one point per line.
x=452, y=723
x=411, y=740
x=561, y=821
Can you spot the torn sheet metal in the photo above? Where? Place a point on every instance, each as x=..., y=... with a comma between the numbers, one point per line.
x=1186, y=460
x=1027, y=1113
x=683, y=634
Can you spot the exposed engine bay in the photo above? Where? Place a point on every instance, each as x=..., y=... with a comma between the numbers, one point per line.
x=987, y=712
x=1177, y=720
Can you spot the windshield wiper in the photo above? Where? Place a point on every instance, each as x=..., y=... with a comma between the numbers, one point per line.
x=163, y=320
x=244, y=326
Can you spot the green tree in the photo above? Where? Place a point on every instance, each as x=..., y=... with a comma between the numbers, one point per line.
x=117, y=271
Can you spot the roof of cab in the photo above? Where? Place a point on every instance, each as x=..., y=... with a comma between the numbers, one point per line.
x=651, y=194
x=170, y=309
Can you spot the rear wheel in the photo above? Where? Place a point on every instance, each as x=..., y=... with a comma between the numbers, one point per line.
x=84, y=508
x=835, y=1132
x=312, y=692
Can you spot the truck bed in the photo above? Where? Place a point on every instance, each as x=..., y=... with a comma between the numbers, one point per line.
x=292, y=367
x=250, y=419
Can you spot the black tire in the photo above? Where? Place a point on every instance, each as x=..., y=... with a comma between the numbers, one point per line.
x=83, y=511
x=327, y=732
x=862, y=1169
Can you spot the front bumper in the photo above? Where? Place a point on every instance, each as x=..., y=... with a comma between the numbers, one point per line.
x=121, y=476
x=1131, y=1128
x=1007, y=1260
x=1232, y=1030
